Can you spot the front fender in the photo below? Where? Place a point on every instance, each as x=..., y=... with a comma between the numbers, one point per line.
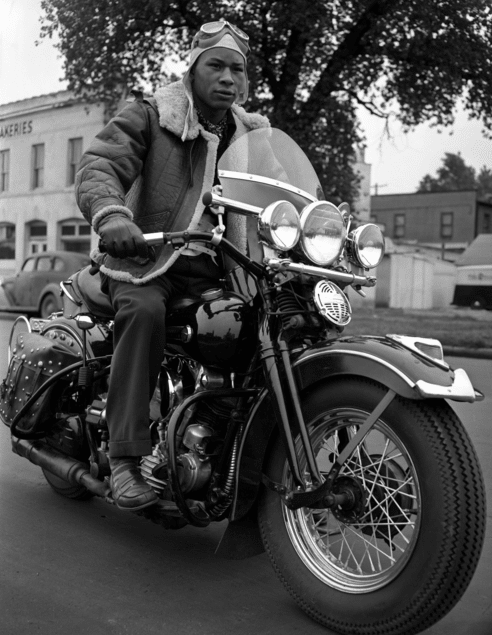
x=409, y=374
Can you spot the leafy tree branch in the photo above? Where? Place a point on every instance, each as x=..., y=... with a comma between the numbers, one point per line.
x=313, y=62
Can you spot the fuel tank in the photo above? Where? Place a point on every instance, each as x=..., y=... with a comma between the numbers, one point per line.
x=216, y=330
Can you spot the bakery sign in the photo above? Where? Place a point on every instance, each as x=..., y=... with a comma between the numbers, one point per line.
x=16, y=129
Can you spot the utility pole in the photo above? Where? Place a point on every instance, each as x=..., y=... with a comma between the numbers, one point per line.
x=376, y=187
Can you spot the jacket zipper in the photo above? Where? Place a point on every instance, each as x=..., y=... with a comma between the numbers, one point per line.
x=189, y=183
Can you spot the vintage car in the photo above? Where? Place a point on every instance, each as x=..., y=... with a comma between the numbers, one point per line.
x=35, y=288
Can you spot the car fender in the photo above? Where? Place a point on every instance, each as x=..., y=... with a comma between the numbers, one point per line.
x=53, y=288
x=383, y=359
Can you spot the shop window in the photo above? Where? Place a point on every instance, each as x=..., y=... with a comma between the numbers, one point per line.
x=75, y=235
x=7, y=241
x=486, y=224
x=74, y=156
x=399, y=228
x=4, y=170
x=37, y=179
x=446, y=224
x=68, y=230
x=37, y=237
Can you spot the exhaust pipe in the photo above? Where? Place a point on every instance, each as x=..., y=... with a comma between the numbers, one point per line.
x=43, y=455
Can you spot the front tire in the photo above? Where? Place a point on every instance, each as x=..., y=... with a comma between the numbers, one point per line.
x=401, y=557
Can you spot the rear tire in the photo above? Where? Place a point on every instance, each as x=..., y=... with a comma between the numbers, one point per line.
x=66, y=489
x=403, y=556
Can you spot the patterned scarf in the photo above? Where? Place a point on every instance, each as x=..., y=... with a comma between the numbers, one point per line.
x=214, y=128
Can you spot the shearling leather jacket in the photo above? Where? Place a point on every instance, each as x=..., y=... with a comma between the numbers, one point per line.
x=139, y=165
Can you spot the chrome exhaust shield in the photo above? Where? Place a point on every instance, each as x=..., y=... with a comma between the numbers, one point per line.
x=66, y=468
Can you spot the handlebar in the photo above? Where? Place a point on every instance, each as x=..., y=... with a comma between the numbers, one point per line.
x=211, y=199
x=329, y=274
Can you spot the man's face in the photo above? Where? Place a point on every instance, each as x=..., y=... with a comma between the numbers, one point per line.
x=217, y=79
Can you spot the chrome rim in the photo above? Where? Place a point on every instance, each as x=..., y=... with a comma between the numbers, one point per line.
x=366, y=545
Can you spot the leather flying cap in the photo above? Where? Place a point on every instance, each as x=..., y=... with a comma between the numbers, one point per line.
x=226, y=36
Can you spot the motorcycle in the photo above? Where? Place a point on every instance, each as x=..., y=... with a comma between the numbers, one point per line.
x=338, y=455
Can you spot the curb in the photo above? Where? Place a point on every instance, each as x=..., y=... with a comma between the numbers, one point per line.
x=450, y=351
x=474, y=353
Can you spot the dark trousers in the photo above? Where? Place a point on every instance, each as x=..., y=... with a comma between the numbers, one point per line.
x=139, y=339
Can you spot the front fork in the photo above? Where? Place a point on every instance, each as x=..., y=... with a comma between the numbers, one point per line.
x=280, y=382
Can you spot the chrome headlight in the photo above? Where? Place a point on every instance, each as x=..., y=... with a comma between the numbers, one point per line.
x=279, y=224
x=322, y=232
x=365, y=246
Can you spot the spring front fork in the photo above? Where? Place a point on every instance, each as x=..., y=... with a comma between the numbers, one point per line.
x=272, y=375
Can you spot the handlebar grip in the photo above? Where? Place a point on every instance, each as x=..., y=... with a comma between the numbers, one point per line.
x=207, y=199
x=102, y=248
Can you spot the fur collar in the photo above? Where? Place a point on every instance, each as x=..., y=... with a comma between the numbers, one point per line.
x=172, y=104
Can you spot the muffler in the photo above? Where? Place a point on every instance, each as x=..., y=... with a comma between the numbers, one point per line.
x=66, y=468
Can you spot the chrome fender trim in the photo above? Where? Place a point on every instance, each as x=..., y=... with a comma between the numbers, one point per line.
x=460, y=390
x=391, y=362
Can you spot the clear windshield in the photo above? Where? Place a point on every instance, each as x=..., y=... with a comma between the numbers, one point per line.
x=266, y=165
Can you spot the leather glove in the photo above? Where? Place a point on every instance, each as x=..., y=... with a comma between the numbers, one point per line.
x=121, y=238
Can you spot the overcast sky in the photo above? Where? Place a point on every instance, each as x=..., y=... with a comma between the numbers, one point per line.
x=398, y=165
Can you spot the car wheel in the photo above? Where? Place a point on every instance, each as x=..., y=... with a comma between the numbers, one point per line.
x=49, y=305
x=478, y=303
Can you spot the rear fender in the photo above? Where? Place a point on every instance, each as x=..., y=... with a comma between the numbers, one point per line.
x=99, y=341
x=385, y=360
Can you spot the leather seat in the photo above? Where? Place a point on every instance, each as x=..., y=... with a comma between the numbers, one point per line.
x=88, y=287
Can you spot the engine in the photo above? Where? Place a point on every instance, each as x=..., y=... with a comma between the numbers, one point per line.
x=201, y=432
x=194, y=465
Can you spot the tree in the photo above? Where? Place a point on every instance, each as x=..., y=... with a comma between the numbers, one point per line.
x=313, y=62
x=452, y=176
x=455, y=175
x=484, y=183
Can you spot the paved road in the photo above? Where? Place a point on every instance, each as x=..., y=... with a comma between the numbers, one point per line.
x=72, y=568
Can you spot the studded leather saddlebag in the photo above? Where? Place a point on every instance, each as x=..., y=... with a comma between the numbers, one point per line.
x=34, y=360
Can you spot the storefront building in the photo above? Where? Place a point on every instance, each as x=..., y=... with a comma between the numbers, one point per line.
x=41, y=142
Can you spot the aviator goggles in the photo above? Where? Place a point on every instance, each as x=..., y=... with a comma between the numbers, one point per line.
x=211, y=33
x=212, y=28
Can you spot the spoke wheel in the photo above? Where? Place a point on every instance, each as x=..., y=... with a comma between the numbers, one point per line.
x=364, y=545
x=402, y=549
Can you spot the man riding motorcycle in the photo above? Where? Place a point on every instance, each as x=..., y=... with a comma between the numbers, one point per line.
x=147, y=170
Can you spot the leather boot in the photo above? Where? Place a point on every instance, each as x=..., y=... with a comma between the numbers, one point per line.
x=130, y=491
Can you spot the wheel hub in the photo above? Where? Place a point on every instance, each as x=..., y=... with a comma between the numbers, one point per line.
x=352, y=509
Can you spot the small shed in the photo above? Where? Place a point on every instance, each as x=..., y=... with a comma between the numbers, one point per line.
x=414, y=281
